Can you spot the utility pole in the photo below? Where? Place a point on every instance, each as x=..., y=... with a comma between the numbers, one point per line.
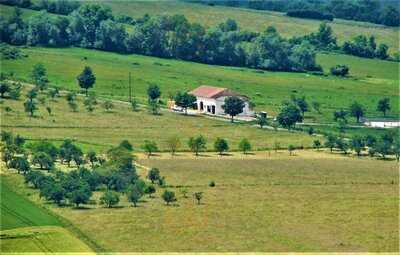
x=130, y=88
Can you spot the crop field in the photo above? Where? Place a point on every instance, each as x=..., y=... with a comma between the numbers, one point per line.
x=254, y=20
x=100, y=130
x=371, y=80
x=313, y=201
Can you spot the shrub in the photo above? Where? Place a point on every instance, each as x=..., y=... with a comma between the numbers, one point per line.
x=169, y=196
x=212, y=184
x=340, y=70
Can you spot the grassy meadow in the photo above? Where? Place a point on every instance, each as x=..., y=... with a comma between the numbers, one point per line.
x=254, y=20
x=100, y=130
x=313, y=201
x=370, y=80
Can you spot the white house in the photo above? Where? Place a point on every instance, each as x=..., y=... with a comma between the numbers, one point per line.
x=381, y=123
x=211, y=99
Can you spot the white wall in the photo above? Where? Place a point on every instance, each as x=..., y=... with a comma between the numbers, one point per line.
x=382, y=124
x=218, y=103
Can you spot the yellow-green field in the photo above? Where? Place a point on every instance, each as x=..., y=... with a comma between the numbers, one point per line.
x=314, y=202
x=254, y=20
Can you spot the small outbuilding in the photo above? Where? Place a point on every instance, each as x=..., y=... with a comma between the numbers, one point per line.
x=211, y=99
x=381, y=123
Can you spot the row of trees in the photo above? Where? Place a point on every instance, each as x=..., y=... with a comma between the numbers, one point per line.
x=375, y=11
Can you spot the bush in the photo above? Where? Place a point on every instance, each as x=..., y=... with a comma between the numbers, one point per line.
x=169, y=196
x=212, y=184
x=340, y=70
x=109, y=198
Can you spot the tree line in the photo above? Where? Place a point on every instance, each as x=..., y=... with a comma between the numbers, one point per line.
x=374, y=11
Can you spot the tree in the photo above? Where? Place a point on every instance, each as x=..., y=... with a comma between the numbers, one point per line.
x=357, y=111
x=390, y=16
x=261, y=120
x=134, y=194
x=90, y=103
x=173, y=144
x=244, y=145
x=184, y=100
x=81, y=194
x=149, y=147
x=44, y=160
x=289, y=115
x=357, y=144
x=383, y=148
x=108, y=105
x=110, y=198
x=381, y=52
x=91, y=157
x=383, y=105
x=301, y=104
x=150, y=189
x=342, y=144
x=221, y=145
x=330, y=142
x=233, y=106
x=197, y=144
x=39, y=76
x=340, y=70
x=153, y=175
x=4, y=88
x=291, y=148
x=184, y=192
x=168, y=196
x=126, y=145
x=316, y=144
x=154, y=93
x=198, y=196
x=30, y=107
x=86, y=79
x=53, y=93
x=21, y=164
x=56, y=193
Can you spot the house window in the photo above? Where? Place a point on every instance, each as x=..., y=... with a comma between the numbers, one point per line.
x=213, y=109
x=208, y=108
x=201, y=106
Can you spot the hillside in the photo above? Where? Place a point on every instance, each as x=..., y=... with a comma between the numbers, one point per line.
x=370, y=79
x=254, y=20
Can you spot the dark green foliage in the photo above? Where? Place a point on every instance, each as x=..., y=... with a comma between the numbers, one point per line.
x=21, y=164
x=357, y=144
x=109, y=198
x=212, y=184
x=149, y=147
x=221, y=145
x=81, y=194
x=301, y=103
x=4, y=88
x=330, y=142
x=197, y=144
x=86, y=79
x=340, y=70
x=168, y=196
x=310, y=14
x=289, y=115
x=134, y=194
x=184, y=100
x=383, y=105
x=44, y=160
x=150, y=189
x=357, y=111
x=39, y=76
x=262, y=121
x=233, y=106
x=126, y=145
x=198, y=196
x=316, y=144
x=153, y=175
x=46, y=147
x=365, y=47
x=340, y=115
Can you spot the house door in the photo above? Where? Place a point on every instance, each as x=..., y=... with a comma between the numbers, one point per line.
x=201, y=106
x=213, y=109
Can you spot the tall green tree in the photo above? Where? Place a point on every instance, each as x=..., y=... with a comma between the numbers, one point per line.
x=197, y=144
x=86, y=79
x=289, y=115
x=233, y=106
x=184, y=100
x=357, y=111
x=221, y=145
x=383, y=105
x=39, y=76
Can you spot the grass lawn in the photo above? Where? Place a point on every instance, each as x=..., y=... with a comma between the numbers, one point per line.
x=41, y=240
x=314, y=202
x=371, y=79
x=101, y=130
x=254, y=20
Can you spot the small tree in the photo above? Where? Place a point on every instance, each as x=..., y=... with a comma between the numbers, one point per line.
x=301, y=103
x=289, y=115
x=357, y=144
x=92, y=157
x=149, y=190
x=244, y=145
x=21, y=164
x=134, y=195
x=330, y=142
x=173, y=144
x=126, y=145
x=48, y=109
x=30, y=107
x=342, y=145
x=357, y=111
x=154, y=93
x=153, y=175
x=86, y=79
x=90, y=103
x=383, y=105
x=81, y=195
x=197, y=144
x=261, y=121
x=169, y=196
x=233, y=106
x=4, y=88
x=109, y=198
x=316, y=144
x=184, y=192
x=198, y=196
x=340, y=115
x=39, y=76
x=221, y=145
x=291, y=148
x=108, y=105
x=44, y=160
x=149, y=147
x=316, y=106
x=340, y=70
x=184, y=100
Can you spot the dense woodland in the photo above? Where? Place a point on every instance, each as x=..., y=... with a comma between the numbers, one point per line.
x=374, y=11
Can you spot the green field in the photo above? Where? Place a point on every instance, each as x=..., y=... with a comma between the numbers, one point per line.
x=254, y=20
x=371, y=79
x=17, y=211
x=100, y=130
x=309, y=202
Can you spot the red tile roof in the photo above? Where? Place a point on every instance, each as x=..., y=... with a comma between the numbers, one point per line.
x=212, y=92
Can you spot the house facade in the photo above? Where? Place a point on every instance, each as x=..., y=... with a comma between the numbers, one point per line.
x=381, y=123
x=210, y=100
